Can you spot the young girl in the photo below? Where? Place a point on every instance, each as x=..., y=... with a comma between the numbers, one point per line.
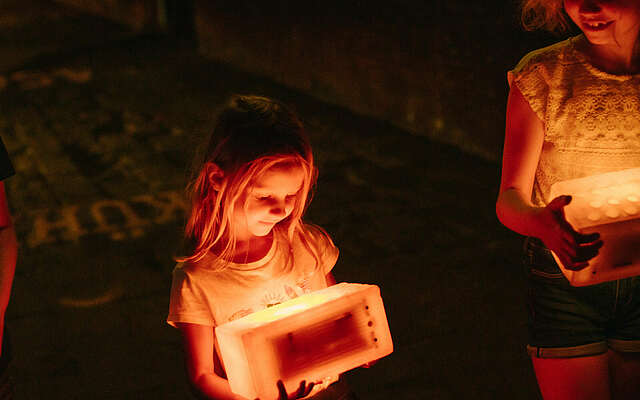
x=574, y=111
x=248, y=248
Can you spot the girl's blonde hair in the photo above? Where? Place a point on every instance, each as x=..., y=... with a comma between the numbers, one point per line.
x=253, y=134
x=545, y=14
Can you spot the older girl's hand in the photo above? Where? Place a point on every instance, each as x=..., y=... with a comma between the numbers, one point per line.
x=572, y=248
x=303, y=390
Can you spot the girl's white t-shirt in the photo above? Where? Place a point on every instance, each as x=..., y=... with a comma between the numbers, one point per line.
x=204, y=296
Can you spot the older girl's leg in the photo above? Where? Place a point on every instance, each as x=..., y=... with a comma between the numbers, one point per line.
x=585, y=378
x=625, y=375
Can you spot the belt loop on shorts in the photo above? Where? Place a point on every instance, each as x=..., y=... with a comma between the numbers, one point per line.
x=527, y=250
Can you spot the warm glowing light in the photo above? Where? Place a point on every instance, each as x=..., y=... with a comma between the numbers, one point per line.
x=608, y=204
x=292, y=306
x=314, y=337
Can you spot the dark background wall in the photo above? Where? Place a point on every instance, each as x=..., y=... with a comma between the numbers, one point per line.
x=138, y=14
x=433, y=68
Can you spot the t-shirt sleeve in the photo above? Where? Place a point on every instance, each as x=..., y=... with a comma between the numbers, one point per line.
x=327, y=251
x=186, y=302
x=6, y=168
x=529, y=77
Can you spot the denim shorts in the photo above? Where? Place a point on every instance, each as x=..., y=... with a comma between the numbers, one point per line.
x=566, y=321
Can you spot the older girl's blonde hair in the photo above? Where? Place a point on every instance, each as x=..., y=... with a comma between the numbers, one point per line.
x=545, y=14
x=253, y=134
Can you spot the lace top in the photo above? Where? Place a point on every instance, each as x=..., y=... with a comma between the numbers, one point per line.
x=591, y=118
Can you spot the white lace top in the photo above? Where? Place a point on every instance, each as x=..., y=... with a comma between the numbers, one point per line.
x=591, y=118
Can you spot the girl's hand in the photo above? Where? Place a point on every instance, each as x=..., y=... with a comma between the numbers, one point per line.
x=303, y=390
x=572, y=248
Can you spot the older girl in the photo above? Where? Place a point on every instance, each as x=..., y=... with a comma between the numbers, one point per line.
x=574, y=111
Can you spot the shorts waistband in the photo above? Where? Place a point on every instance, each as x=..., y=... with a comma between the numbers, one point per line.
x=591, y=349
x=584, y=350
x=625, y=346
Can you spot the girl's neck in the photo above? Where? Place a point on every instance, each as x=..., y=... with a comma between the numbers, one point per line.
x=251, y=249
x=617, y=60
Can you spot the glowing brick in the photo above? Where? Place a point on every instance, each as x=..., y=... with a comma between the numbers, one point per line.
x=608, y=204
x=312, y=337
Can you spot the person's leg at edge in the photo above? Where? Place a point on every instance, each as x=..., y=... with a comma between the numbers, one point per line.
x=625, y=375
x=585, y=378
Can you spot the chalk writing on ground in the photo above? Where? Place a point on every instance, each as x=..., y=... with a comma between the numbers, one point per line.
x=117, y=219
x=30, y=80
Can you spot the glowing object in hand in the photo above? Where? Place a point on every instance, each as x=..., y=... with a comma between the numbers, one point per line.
x=608, y=204
x=312, y=337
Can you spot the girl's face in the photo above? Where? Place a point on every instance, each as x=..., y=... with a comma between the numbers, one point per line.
x=269, y=199
x=606, y=22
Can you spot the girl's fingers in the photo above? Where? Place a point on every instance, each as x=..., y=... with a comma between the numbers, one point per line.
x=564, y=229
x=577, y=266
x=587, y=238
x=568, y=249
x=574, y=239
x=282, y=391
x=572, y=265
x=300, y=391
x=582, y=247
x=309, y=389
x=303, y=390
x=566, y=261
x=558, y=203
x=576, y=258
x=566, y=255
x=586, y=253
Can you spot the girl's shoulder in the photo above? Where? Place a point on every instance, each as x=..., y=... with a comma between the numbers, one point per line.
x=317, y=235
x=549, y=57
x=184, y=269
x=208, y=264
x=317, y=242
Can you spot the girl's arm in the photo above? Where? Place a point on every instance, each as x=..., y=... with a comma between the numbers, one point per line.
x=198, y=344
x=522, y=147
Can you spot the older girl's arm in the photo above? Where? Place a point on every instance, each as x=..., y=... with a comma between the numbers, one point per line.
x=522, y=147
x=8, y=256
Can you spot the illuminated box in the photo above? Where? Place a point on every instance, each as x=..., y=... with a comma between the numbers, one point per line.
x=609, y=204
x=312, y=337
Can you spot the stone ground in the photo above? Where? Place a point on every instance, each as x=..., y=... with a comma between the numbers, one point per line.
x=101, y=126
